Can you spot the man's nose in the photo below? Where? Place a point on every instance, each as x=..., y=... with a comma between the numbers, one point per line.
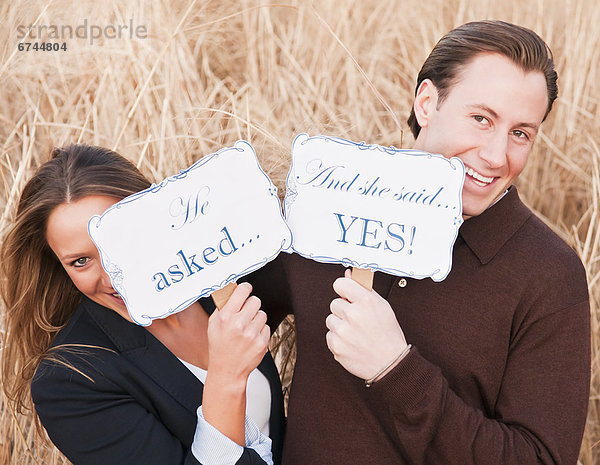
x=495, y=150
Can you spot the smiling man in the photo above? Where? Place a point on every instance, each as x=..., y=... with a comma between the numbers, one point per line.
x=482, y=98
x=489, y=120
x=497, y=370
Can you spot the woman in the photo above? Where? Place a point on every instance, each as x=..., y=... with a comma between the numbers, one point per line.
x=109, y=391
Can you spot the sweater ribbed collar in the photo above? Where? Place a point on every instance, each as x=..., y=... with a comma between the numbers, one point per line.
x=486, y=234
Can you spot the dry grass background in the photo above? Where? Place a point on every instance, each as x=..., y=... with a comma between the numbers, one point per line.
x=214, y=71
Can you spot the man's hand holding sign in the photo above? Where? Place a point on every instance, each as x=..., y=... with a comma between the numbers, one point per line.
x=363, y=330
x=376, y=208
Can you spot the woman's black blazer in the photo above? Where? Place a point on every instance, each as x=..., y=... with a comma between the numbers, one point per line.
x=116, y=395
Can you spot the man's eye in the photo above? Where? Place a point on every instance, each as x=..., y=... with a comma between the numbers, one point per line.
x=80, y=262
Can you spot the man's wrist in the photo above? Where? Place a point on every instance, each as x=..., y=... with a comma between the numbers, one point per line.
x=389, y=367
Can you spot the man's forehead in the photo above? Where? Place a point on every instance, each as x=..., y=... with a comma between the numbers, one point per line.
x=494, y=83
x=484, y=63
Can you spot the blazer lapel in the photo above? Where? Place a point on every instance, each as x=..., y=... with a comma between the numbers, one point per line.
x=146, y=352
x=168, y=372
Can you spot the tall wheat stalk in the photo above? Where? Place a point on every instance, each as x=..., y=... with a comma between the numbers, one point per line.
x=212, y=72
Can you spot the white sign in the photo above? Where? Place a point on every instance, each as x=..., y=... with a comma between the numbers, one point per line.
x=368, y=206
x=190, y=235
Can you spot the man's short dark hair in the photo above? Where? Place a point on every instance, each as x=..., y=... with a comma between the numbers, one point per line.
x=459, y=46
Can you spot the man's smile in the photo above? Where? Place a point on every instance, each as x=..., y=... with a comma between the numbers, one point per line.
x=478, y=178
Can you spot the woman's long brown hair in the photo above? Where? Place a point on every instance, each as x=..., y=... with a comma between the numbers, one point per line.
x=38, y=296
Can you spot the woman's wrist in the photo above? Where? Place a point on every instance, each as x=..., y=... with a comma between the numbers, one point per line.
x=228, y=380
x=224, y=404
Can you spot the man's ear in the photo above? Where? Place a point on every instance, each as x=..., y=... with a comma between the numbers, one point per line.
x=425, y=102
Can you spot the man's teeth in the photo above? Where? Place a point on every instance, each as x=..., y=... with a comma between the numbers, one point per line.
x=483, y=180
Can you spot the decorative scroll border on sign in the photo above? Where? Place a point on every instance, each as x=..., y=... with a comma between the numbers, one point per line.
x=116, y=274
x=292, y=193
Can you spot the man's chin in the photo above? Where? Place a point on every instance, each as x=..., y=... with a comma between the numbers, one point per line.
x=470, y=210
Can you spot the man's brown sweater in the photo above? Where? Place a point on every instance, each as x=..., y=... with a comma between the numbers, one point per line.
x=499, y=372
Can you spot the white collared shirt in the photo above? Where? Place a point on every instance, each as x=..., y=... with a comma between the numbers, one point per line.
x=211, y=447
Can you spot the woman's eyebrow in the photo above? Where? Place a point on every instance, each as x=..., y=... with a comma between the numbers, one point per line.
x=71, y=256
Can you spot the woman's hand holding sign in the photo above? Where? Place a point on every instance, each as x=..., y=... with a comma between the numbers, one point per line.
x=238, y=336
x=364, y=335
x=238, y=339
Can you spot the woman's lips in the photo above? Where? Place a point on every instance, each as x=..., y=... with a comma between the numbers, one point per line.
x=117, y=297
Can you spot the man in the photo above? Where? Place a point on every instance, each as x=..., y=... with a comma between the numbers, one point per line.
x=498, y=371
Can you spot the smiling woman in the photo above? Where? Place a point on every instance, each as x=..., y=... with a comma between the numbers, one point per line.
x=78, y=254
x=41, y=297
x=190, y=388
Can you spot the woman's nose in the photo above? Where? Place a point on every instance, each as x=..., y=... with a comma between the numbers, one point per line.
x=104, y=278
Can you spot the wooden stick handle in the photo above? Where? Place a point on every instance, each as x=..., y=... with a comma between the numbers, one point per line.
x=364, y=277
x=221, y=296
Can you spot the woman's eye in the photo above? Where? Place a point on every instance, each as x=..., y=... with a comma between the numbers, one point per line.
x=520, y=134
x=80, y=262
x=479, y=118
